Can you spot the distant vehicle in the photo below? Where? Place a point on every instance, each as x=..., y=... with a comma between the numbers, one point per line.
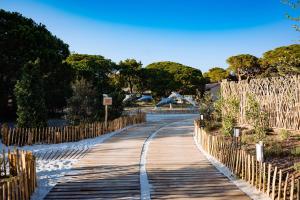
x=145, y=98
x=165, y=101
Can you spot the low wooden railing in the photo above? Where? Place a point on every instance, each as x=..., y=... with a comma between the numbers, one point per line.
x=53, y=135
x=271, y=180
x=17, y=175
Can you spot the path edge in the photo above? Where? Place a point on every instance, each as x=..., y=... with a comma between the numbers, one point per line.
x=245, y=187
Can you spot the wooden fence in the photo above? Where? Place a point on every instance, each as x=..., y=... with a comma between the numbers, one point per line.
x=17, y=175
x=278, y=96
x=276, y=183
x=53, y=135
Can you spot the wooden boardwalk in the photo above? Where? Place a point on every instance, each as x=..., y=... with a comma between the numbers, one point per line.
x=176, y=169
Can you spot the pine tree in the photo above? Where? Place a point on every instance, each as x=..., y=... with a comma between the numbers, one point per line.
x=30, y=97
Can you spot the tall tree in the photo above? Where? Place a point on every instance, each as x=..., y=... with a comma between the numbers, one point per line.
x=22, y=40
x=82, y=106
x=244, y=66
x=216, y=74
x=283, y=60
x=178, y=77
x=130, y=71
x=99, y=71
x=30, y=96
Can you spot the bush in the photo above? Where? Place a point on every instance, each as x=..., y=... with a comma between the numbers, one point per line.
x=247, y=139
x=297, y=166
x=212, y=126
x=30, y=97
x=257, y=117
x=274, y=149
x=296, y=151
x=227, y=125
x=284, y=134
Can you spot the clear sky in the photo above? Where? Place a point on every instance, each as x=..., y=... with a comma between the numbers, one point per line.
x=197, y=33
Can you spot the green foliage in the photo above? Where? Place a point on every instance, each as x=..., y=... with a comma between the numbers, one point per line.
x=130, y=74
x=247, y=138
x=244, y=65
x=22, y=40
x=227, y=125
x=297, y=166
x=283, y=61
x=296, y=151
x=206, y=105
x=30, y=97
x=274, y=149
x=83, y=105
x=100, y=73
x=256, y=117
x=230, y=109
x=215, y=74
x=117, y=107
x=284, y=134
x=212, y=126
x=177, y=77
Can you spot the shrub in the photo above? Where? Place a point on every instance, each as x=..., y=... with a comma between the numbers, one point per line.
x=296, y=151
x=274, y=149
x=30, y=97
x=212, y=126
x=247, y=139
x=284, y=134
x=230, y=110
x=227, y=125
x=256, y=117
x=297, y=166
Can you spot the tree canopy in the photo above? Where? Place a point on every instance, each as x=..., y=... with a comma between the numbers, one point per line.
x=22, y=40
x=244, y=65
x=96, y=71
x=215, y=74
x=283, y=60
x=176, y=77
x=130, y=73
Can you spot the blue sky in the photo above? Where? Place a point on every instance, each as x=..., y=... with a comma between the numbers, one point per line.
x=197, y=33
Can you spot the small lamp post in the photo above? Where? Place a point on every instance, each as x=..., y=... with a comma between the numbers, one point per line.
x=236, y=135
x=260, y=151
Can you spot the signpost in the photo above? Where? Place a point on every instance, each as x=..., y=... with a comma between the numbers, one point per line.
x=107, y=101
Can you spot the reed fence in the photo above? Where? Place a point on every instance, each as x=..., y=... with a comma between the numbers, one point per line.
x=275, y=182
x=17, y=175
x=53, y=135
x=278, y=96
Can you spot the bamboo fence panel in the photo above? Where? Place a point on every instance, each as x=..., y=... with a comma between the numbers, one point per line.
x=276, y=183
x=53, y=135
x=17, y=175
x=278, y=96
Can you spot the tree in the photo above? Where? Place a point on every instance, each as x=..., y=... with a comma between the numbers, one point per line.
x=22, y=40
x=177, y=77
x=216, y=74
x=31, y=110
x=244, y=65
x=283, y=60
x=82, y=106
x=100, y=72
x=130, y=71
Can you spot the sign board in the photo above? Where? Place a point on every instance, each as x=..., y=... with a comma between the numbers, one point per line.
x=107, y=101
